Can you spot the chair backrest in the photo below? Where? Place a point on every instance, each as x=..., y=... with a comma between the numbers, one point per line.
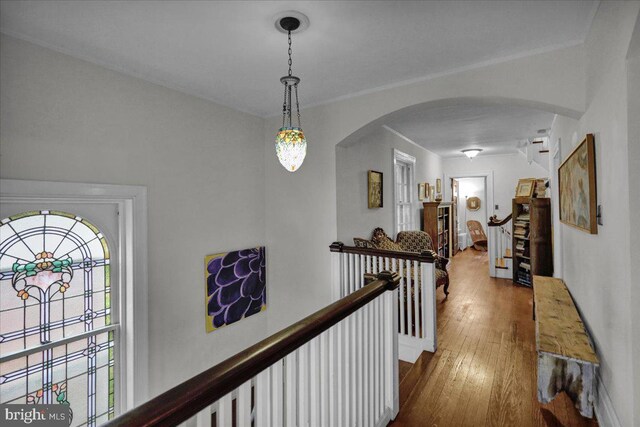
x=415, y=241
x=476, y=231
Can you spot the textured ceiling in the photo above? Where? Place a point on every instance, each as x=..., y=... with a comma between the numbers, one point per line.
x=494, y=127
x=230, y=52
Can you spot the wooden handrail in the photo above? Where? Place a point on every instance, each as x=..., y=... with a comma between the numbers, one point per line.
x=495, y=222
x=187, y=399
x=426, y=256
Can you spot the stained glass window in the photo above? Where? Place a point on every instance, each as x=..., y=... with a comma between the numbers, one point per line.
x=56, y=327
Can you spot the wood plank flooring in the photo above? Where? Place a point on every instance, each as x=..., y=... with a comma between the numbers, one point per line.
x=484, y=372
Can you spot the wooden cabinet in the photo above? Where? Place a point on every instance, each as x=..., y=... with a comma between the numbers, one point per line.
x=438, y=223
x=531, y=239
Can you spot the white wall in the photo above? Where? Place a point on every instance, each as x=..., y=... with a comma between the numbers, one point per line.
x=472, y=187
x=63, y=119
x=375, y=152
x=597, y=268
x=301, y=208
x=507, y=170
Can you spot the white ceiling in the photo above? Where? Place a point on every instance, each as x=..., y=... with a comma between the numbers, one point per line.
x=494, y=127
x=230, y=52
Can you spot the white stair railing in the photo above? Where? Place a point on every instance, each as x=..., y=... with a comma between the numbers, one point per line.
x=416, y=293
x=337, y=367
x=500, y=248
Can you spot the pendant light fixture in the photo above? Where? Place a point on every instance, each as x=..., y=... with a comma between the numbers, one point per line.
x=291, y=145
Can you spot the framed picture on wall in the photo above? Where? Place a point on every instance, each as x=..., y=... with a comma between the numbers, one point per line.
x=374, y=189
x=577, y=185
x=421, y=191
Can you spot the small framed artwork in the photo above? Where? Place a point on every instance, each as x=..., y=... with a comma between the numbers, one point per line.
x=421, y=191
x=577, y=185
x=426, y=192
x=374, y=189
x=438, y=186
x=473, y=203
x=525, y=187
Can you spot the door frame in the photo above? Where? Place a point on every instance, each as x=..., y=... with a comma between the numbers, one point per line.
x=133, y=307
x=488, y=189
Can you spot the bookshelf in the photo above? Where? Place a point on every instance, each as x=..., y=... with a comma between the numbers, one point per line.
x=531, y=239
x=437, y=222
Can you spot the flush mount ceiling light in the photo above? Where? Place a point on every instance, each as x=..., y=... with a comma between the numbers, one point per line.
x=291, y=145
x=471, y=152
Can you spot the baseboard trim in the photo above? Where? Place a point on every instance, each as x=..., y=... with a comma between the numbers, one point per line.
x=410, y=348
x=605, y=413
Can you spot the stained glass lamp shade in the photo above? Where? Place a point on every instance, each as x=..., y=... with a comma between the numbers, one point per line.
x=291, y=147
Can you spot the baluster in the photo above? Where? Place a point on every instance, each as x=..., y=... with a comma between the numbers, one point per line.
x=224, y=411
x=290, y=394
x=352, y=275
x=365, y=362
x=381, y=319
x=410, y=294
x=243, y=405
x=344, y=288
x=348, y=371
x=391, y=360
x=359, y=379
x=263, y=412
x=336, y=383
x=314, y=383
x=203, y=418
x=361, y=275
x=403, y=296
x=376, y=360
x=303, y=385
x=416, y=295
x=276, y=393
x=325, y=377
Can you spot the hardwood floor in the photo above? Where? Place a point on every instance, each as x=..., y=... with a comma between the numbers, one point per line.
x=484, y=371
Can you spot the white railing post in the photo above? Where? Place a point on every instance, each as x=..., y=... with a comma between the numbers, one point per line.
x=429, y=326
x=337, y=258
x=492, y=250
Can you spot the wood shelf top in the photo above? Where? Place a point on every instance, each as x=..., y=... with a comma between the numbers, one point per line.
x=560, y=330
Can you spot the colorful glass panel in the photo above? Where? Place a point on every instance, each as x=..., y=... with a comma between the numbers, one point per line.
x=54, y=286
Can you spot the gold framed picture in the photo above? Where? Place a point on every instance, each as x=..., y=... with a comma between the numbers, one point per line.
x=525, y=187
x=438, y=186
x=374, y=189
x=473, y=203
x=421, y=191
x=577, y=185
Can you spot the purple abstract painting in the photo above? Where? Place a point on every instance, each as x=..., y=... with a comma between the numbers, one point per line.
x=235, y=286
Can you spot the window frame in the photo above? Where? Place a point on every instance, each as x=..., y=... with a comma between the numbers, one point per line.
x=132, y=358
x=400, y=157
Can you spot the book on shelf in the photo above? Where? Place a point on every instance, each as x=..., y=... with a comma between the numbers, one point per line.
x=525, y=266
x=525, y=217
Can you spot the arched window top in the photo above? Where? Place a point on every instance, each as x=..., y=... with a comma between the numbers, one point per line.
x=36, y=237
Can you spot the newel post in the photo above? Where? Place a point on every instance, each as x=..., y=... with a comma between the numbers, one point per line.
x=336, y=270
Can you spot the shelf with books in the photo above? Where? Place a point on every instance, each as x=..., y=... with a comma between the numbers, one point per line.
x=531, y=233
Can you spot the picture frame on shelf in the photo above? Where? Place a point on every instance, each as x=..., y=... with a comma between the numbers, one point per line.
x=421, y=191
x=525, y=187
x=374, y=189
x=577, y=187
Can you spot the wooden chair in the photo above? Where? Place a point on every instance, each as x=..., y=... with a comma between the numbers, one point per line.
x=477, y=235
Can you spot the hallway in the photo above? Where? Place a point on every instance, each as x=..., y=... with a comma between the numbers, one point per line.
x=484, y=371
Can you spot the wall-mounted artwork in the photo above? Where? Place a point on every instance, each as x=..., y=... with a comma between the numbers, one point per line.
x=374, y=189
x=577, y=184
x=473, y=203
x=235, y=286
x=422, y=194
